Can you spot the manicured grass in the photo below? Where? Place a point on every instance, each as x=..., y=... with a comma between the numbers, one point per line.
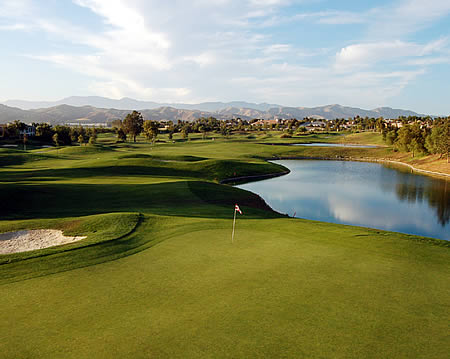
x=365, y=138
x=158, y=275
x=98, y=229
x=285, y=288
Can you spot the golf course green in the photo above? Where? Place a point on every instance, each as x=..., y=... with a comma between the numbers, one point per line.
x=158, y=275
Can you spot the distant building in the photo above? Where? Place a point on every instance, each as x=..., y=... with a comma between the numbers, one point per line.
x=99, y=124
x=29, y=131
x=267, y=122
x=313, y=125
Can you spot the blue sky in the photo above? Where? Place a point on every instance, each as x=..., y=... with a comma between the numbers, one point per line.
x=299, y=53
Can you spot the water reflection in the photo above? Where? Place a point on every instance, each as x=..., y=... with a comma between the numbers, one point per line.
x=435, y=194
x=413, y=188
x=365, y=194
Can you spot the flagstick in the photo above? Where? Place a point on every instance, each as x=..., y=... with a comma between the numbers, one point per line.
x=234, y=221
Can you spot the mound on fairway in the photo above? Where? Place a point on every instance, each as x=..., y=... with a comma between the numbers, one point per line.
x=30, y=240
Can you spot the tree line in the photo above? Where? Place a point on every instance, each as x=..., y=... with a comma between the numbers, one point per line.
x=407, y=134
x=418, y=138
x=134, y=124
x=58, y=135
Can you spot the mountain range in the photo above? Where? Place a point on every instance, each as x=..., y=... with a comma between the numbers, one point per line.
x=132, y=104
x=93, y=109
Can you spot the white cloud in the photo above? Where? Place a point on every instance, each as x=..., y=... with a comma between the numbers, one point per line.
x=393, y=20
x=407, y=16
x=366, y=54
x=204, y=59
x=15, y=8
x=277, y=49
x=430, y=61
x=220, y=50
x=268, y=2
x=14, y=27
x=331, y=17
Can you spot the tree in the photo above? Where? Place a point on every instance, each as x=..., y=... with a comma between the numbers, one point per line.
x=391, y=137
x=171, y=130
x=92, y=140
x=25, y=140
x=404, y=139
x=204, y=130
x=438, y=141
x=44, y=131
x=224, y=130
x=83, y=133
x=81, y=140
x=63, y=134
x=121, y=135
x=93, y=133
x=15, y=128
x=55, y=139
x=379, y=124
x=151, y=130
x=74, y=134
x=410, y=138
x=415, y=146
x=133, y=124
x=185, y=132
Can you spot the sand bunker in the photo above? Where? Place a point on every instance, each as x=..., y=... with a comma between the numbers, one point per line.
x=30, y=240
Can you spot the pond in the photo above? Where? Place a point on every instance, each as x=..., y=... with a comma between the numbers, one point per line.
x=359, y=193
x=323, y=144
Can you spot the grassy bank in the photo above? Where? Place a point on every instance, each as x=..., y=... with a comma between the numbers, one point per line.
x=157, y=275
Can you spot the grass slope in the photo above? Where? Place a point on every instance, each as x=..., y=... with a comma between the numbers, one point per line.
x=159, y=277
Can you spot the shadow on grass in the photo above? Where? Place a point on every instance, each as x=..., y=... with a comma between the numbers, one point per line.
x=207, y=169
x=195, y=199
x=88, y=172
x=12, y=159
x=182, y=198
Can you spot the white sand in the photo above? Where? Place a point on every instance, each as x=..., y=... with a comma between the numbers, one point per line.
x=29, y=240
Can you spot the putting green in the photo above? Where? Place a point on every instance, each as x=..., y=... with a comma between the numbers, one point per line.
x=285, y=288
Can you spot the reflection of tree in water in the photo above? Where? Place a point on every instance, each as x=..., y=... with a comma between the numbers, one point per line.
x=409, y=192
x=439, y=199
x=416, y=189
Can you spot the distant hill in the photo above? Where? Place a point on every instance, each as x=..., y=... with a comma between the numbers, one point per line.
x=131, y=104
x=65, y=113
x=94, y=101
x=60, y=114
x=329, y=112
x=87, y=114
x=393, y=112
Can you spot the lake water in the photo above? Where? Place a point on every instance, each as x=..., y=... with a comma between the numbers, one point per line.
x=323, y=144
x=362, y=194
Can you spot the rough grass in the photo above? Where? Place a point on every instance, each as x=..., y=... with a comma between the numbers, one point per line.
x=168, y=282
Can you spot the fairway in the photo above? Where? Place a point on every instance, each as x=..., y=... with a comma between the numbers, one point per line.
x=158, y=276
